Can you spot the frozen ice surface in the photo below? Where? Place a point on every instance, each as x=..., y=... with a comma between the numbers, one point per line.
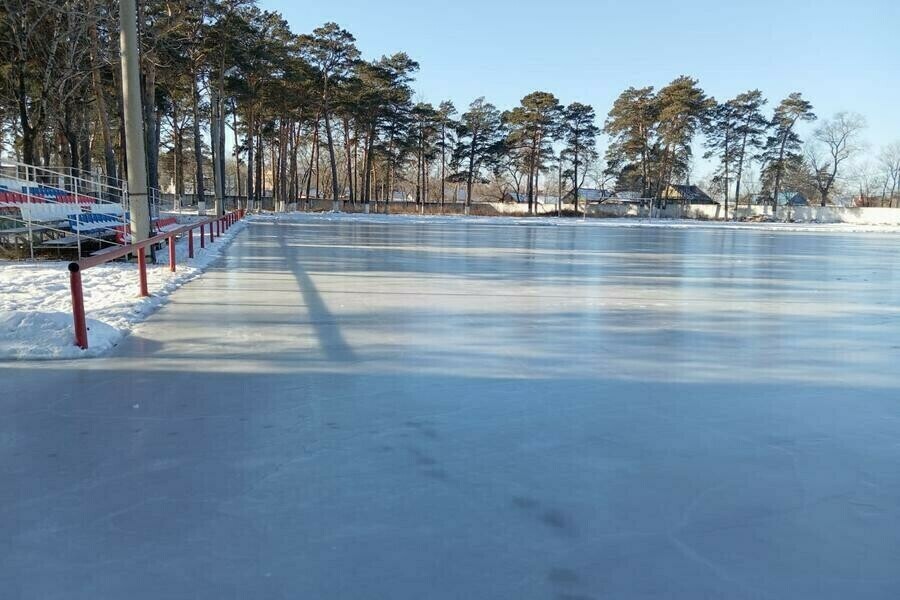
x=364, y=408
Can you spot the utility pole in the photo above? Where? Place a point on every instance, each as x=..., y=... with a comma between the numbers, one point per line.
x=138, y=206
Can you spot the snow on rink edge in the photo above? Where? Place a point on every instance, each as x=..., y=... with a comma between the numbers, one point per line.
x=624, y=222
x=36, y=304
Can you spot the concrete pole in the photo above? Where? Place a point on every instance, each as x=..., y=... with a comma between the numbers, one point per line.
x=214, y=143
x=220, y=110
x=134, y=122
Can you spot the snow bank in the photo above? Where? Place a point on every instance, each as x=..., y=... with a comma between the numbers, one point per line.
x=36, y=309
x=580, y=222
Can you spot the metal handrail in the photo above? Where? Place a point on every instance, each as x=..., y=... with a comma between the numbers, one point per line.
x=217, y=226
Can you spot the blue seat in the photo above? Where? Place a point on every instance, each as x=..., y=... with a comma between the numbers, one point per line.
x=90, y=222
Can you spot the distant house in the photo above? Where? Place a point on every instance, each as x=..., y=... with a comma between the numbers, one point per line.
x=844, y=201
x=689, y=194
x=515, y=197
x=588, y=195
x=792, y=199
x=784, y=199
x=626, y=197
x=547, y=199
x=539, y=198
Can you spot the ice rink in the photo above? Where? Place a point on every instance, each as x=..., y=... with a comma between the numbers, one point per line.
x=463, y=409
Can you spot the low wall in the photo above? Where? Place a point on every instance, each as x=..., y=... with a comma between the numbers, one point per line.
x=711, y=212
x=406, y=207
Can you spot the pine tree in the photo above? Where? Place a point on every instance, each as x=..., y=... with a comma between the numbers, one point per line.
x=447, y=125
x=721, y=139
x=783, y=144
x=533, y=127
x=751, y=127
x=332, y=52
x=425, y=132
x=580, y=138
x=632, y=124
x=480, y=141
x=683, y=110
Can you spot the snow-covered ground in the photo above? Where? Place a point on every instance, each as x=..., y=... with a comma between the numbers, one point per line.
x=36, y=307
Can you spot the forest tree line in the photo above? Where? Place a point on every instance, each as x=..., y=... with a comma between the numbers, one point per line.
x=306, y=116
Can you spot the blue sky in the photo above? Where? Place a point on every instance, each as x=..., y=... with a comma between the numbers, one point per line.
x=841, y=55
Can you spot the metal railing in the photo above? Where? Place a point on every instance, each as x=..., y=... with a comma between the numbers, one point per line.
x=35, y=186
x=217, y=226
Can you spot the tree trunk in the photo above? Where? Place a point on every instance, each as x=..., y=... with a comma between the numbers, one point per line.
x=214, y=106
x=470, y=176
x=317, y=148
x=530, y=186
x=220, y=124
x=349, y=158
x=178, y=152
x=336, y=204
x=260, y=163
x=312, y=163
x=367, y=185
x=237, y=156
x=151, y=125
x=293, y=188
x=740, y=174
x=109, y=158
x=251, y=143
x=199, y=191
x=778, y=170
x=29, y=133
x=575, y=170
x=443, y=161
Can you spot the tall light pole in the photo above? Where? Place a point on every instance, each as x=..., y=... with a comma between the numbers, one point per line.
x=134, y=122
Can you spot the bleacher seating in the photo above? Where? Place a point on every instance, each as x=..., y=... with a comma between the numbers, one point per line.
x=42, y=204
x=96, y=223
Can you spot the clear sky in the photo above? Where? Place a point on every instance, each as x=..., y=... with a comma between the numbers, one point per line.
x=841, y=55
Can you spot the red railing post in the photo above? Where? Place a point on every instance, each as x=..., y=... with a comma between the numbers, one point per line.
x=190, y=234
x=172, y=253
x=81, y=339
x=210, y=233
x=142, y=268
x=202, y=236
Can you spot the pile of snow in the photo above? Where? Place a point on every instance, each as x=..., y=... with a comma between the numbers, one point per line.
x=37, y=335
x=36, y=306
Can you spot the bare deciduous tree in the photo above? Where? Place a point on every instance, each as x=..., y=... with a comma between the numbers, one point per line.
x=889, y=159
x=836, y=140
